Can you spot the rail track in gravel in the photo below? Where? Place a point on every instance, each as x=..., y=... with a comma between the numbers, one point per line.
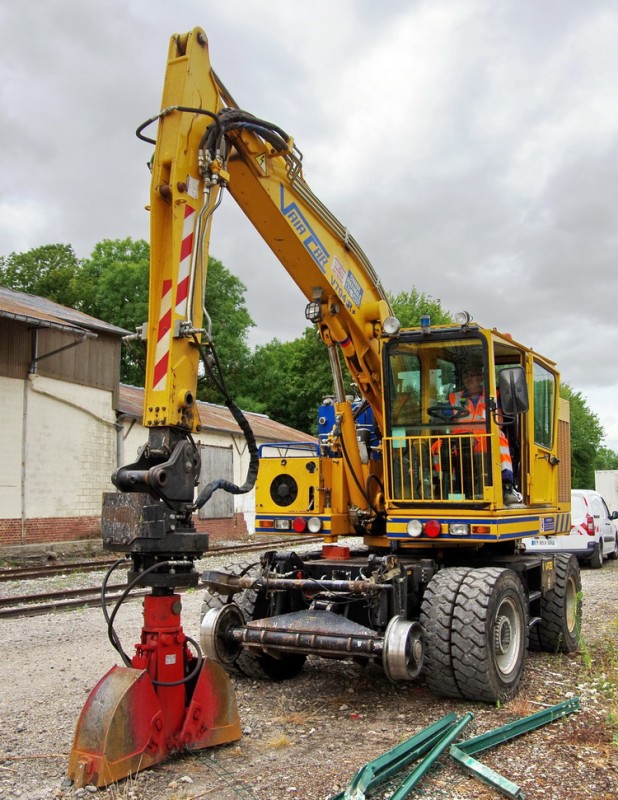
x=47, y=602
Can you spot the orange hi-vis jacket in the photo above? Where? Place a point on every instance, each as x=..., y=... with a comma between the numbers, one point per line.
x=477, y=412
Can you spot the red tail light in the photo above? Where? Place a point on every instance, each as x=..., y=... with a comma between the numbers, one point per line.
x=589, y=525
x=433, y=528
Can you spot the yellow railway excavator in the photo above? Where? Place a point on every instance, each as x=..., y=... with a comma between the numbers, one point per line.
x=455, y=447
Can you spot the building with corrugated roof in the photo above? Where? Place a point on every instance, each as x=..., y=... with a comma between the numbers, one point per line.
x=67, y=424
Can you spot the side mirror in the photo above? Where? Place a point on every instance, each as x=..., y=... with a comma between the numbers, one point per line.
x=513, y=391
x=614, y=515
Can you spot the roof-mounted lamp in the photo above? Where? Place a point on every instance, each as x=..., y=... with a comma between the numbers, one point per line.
x=462, y=318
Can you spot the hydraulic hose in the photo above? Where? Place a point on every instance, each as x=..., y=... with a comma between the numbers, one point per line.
x=243, y=423
x=252, y=471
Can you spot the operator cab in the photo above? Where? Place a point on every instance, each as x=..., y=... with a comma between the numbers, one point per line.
x=448, y=437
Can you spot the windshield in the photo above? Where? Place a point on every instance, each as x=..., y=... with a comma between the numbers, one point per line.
x=429, y=382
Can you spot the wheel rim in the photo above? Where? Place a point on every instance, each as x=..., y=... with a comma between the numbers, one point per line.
x=403, y=653
x=507, y=636
x=570, y=605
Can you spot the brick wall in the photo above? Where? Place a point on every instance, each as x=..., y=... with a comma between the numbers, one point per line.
x=221, y=530
x=43, y=530
x=65, y=529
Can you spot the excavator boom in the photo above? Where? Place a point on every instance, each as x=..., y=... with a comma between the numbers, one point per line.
x=205, y=144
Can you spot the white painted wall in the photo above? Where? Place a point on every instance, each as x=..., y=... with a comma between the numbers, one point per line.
x=70, y=447
x=66, y=436
x=11, y=427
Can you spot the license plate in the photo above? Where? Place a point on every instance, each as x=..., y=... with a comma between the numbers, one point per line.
x=543, y=542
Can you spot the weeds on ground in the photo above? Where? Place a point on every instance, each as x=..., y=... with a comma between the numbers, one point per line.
x=303, y=717
x=601, y=664
x=279, y=742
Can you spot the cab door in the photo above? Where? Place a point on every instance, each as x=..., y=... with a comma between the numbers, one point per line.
x=542, y=436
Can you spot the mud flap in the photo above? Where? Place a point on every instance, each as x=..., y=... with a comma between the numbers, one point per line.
x=122, y=727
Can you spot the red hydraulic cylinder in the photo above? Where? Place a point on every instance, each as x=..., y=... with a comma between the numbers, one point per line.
x=163, y=653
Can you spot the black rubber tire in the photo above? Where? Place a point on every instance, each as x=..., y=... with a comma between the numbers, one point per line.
x=252, y=663
x=614, y=554
x=489, y=640
x=596, y=562
x=436, y=620
x=561, y=610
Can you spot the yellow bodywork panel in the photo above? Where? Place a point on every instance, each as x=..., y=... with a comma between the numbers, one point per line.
x=177, y=268
x=289, y=484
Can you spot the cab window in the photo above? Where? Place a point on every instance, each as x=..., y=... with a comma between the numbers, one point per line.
x=544, y=400
x=405, y=389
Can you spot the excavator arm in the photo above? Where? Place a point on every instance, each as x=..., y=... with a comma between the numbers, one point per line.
x=345, y=298
x=181, y=208
x=206, y=144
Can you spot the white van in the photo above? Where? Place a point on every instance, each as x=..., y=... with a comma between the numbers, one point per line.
x=593, y=537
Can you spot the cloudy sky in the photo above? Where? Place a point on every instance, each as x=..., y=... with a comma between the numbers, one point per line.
x=470, y=146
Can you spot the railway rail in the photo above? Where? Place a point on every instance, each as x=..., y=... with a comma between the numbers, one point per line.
x=31, y=604
x=34, y=572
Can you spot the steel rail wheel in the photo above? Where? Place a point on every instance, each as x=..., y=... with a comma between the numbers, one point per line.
x=254, y=605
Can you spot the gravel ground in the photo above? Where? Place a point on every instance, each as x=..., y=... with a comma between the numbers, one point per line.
x=307, y=737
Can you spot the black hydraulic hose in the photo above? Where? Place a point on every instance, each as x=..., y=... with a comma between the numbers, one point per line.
x=113, y=637
x=277, y=141
x=233, y=119
x=229, y=117
x=359, y=486
x=243, y=423
x=167, y=111
x=372, y=478
x=195, y=671
x=252, y=471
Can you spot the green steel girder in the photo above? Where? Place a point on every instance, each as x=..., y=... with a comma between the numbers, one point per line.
x=385, y=766
x=524, y=725
x=427, y=763
x=434, y=740
x=462, y=753
x=486, y=774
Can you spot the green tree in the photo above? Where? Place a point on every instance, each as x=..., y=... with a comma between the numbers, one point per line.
x=586, y=437
x=114, y=284
x=287, y=380
x=48, y=271
x=408, y=307
x=606, y=459
x=114, y=288
x=226, y=307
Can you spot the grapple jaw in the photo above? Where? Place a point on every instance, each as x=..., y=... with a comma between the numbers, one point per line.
x=124, y=727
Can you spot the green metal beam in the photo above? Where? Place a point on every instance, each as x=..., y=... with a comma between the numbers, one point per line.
x=427, y=763
x=434, y=739
x=462, y=753
x=517, y=728
x=382, y=768
x=486, y=774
